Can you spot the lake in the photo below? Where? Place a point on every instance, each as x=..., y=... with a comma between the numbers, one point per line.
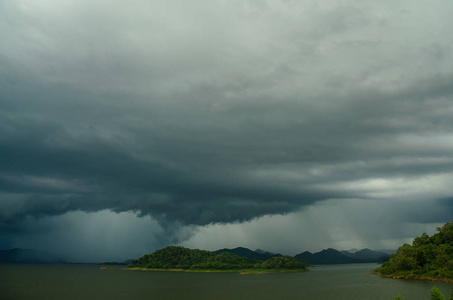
x=348, y=282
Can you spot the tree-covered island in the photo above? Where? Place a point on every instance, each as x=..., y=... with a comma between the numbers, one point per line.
x=176, y=258
x=428, y=258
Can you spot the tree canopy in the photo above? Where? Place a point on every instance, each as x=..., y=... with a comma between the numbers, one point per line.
x=176, y=257
x=429, y=257
x=282, y=262
x=173, y=257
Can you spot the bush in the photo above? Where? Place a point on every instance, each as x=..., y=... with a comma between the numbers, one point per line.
x=436, y=294
x=398, y=297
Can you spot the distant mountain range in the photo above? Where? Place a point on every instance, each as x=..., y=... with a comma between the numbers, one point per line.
x=324, y=257
x=327, y=256
x=332, y=256
x=257, y=254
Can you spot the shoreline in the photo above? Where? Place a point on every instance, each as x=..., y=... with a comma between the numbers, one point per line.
x=240, y=271
x=414, y=277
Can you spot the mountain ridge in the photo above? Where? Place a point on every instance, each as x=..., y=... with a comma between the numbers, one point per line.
x=245, y=252
x=326, y=256
x=333, y=256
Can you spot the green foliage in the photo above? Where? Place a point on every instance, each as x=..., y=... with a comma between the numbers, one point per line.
x=398, y=297
x=283, y=262
x=436, y=294
x=427, y=257
x=226, y=261
x=174, y=257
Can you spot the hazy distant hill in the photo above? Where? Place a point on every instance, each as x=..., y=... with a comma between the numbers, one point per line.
x=29, y=256
x=368, y=255
x=327, y=256
x=388, y=251
x=245, y=252
x=267, y=252
x=324, y=257
x=332, y=256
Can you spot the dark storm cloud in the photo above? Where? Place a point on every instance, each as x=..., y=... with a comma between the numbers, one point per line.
x=175, y=180
x=198, y=114
x=205, y=170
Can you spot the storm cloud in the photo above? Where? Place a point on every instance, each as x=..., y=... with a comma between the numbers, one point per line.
x=212, y=113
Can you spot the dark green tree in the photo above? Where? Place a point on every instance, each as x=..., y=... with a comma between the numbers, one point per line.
x=436, y=294
x=283, y=262
x=172, y=257
x=427, y=257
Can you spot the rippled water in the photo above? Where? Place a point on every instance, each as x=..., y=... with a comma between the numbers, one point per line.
x=348, y=282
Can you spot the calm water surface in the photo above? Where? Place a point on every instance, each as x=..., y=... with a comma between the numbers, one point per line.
x=348, y=282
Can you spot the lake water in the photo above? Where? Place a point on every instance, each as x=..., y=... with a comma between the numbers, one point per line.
x=348, y=282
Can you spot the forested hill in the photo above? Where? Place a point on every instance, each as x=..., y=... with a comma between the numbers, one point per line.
x=429, y=257
x=262, y=255
x=175, y=257
x=183, y=258
x=332, y=256
x=328, y=256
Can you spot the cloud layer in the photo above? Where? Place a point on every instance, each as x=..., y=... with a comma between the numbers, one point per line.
x=225, y=111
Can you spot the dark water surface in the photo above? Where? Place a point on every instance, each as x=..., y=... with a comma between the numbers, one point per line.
x=348, y=282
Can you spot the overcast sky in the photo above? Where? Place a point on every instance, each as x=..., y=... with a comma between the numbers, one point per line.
x=128, y=126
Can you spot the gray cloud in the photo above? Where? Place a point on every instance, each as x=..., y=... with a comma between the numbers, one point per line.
x=204, y=113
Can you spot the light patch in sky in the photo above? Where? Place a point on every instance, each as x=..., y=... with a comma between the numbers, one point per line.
x=339, y=224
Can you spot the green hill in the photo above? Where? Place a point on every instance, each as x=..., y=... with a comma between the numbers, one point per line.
x=332, y=257
x=327, y=256
x=262, y=255
x=175, y=257
x=429, y=257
